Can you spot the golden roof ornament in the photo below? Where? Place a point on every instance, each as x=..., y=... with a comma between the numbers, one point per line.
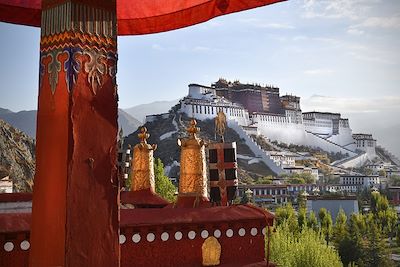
x=193, y=179
x=192, y=129
x=142, y=171
x=220, y=125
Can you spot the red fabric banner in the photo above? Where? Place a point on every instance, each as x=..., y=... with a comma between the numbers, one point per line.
x=141, y=16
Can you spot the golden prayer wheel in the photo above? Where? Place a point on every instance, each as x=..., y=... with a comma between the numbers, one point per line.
x=193, y=177
x=142, y=171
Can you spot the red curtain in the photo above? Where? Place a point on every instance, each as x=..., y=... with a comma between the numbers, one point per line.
x=141, y=16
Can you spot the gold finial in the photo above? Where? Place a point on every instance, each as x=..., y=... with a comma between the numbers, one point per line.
x=142, y=171
x=143, y=135
x=220, y=124
x=192, y=129
x=193, y=177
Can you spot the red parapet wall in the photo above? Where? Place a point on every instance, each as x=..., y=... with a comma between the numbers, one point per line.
x=241, y=244
x=163, y=237
x=14, y=250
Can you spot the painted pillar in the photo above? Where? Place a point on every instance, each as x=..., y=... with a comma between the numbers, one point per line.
x=75, y=214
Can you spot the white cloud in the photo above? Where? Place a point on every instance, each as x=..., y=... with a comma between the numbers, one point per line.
x=351, y=105
x=382, y=22
x=335, y=9
x=355, y=31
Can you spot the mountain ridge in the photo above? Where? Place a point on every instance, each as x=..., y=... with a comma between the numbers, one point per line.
x=25, y=121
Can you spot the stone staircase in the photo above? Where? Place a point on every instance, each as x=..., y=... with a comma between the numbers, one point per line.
x=255, y=148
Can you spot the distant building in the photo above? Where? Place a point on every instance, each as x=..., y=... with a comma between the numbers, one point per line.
x=366, y=143
x=333, y=204
x=266, y=193
x=389, y=168
x=276, y=193
x=322, y=123
x=359, y=180
x=333, y=188
x=284, y=159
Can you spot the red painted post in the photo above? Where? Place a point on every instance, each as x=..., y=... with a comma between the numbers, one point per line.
x=75, y=214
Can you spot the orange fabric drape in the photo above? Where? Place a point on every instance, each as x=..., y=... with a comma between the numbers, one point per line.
x=141, y=16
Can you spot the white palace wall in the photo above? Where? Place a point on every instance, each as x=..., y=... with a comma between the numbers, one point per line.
x=203, y=111
x=291, y=128
x=292, y=133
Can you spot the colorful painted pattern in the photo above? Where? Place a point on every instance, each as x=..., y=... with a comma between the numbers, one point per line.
x=86, y=36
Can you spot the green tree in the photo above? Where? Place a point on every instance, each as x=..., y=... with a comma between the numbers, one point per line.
x=325, y=221
x=265, y=180
x=375, y=252
x=351, y=246
x=287, y=214
x=302, y=218
x=304, y=249
x=246, y=198
x=383, y=214
x=302, y=200
x=312, y=221
x=340, y=228
x=296, y=180
x=398, y=235
x=163, y=184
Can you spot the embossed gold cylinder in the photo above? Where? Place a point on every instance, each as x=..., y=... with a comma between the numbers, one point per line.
x=142, y=171
x=193, y=178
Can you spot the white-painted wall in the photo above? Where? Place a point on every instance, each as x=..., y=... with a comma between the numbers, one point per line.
x=255, y=148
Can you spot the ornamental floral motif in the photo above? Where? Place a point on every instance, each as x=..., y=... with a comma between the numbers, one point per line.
x=95, y=68
x=72, y=67
x=53, y=69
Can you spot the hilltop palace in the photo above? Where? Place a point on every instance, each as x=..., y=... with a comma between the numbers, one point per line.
x=260, y=110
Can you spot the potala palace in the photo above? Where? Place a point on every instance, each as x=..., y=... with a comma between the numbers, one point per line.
x=260, y=110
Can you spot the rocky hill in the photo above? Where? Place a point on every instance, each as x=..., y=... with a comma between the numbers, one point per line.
x=17, y=157
x=165, y=131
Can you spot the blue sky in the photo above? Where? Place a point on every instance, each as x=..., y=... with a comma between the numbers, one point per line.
x=335, y=54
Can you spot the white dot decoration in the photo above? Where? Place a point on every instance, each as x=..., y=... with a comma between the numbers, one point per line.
x=264, y=231
x=136, y=238
x=242, y=232
x=204, y=234
x=150, y=237
x=229, y=233
x=217, y=233
x=253, y=231
x=192, y=235
x=122, y=239
x=25, y=245
x=164, y=236
x=8, y=246
x=178, y=235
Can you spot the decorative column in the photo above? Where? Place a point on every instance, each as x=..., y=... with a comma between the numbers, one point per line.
x=193, y=177
x=75, y=216
x=142, y=171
